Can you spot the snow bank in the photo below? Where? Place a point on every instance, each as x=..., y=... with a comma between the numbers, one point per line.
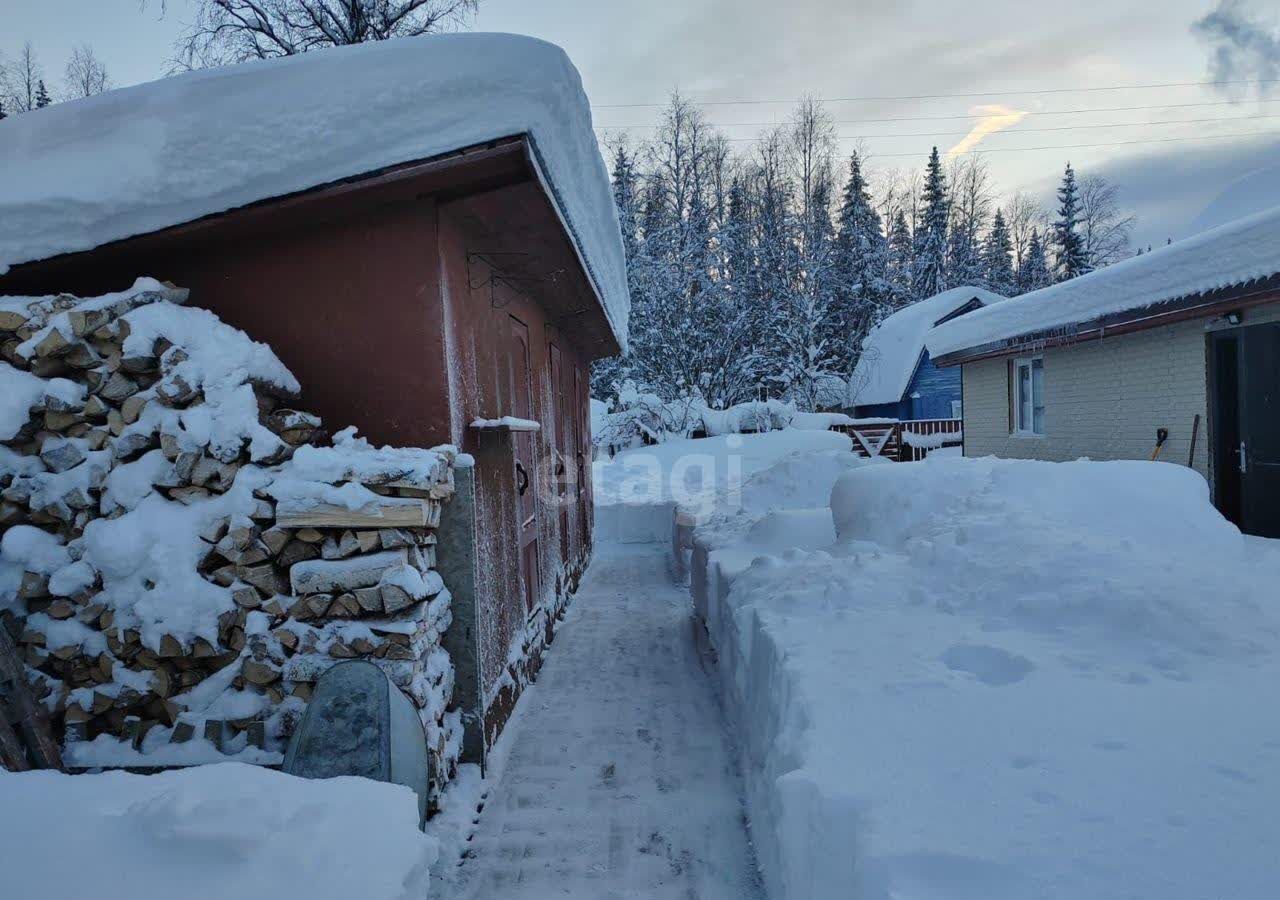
x=210, y=833
x=891, y=351
x=139, y=159
x=637, y=492
x=1004, y=680
x=1232, y=254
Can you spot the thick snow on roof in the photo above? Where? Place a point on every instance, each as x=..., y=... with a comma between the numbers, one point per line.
x=892, y=349
x=78, y=175
x=1233, y=254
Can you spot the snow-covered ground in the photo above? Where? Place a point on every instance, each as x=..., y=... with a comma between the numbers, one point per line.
x=209, y=833
x=617, y=778
x=637, y=491
x=1000, y=679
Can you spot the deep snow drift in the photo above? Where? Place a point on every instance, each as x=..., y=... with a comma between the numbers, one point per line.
x=1002, y=680
x=210, y=833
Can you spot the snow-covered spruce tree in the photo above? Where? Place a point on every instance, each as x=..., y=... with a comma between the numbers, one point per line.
x=901, y=259
x=776, y=262
x=608, y=374
x=929, y=263
x=997, y=257
x=1033, y=272
x=1070, y=258
x=864, y=292
x=687, y=327
x=42, y=95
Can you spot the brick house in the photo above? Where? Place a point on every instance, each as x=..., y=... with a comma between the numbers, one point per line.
x=1184, y=340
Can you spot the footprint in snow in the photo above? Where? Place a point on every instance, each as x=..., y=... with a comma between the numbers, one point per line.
x=988, y=664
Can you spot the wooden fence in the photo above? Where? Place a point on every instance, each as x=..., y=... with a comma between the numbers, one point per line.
x=908, y=441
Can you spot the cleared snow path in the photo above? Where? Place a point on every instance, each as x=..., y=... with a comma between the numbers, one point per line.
x=620, y=780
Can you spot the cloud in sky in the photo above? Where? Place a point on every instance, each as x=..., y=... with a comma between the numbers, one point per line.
x=995, y=118
x=1241, y=47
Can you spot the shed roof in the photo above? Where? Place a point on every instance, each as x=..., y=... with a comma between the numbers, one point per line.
x=891, y=351
x=78, y=175
x=1233, y=255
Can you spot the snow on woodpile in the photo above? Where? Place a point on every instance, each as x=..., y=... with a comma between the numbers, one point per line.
x=1227, y=256
x=183, y=554
x=1025, y=679
x=135, y=160
x=210, y=833
x=892, y=350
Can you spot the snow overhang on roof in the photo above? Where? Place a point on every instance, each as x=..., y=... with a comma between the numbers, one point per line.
x=1234, y=264
x=75, y=176
x=893, y=349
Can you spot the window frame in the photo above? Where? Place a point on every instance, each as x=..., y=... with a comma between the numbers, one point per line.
x=1020, y=428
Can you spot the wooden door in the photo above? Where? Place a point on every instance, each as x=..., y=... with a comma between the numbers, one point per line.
x=580, y=404
x=1259, y=451
x=525, y=462
x=561, y=451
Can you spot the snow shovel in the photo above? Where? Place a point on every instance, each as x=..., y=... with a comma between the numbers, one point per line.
x=1162, y=435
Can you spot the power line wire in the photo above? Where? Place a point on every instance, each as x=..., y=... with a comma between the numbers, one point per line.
x=1015, y=130
x=1033, y=112
x=1006, y=93
x=1207, y=137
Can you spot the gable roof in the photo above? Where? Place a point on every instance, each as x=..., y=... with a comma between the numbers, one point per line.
x=75, y=176
x=892, y=350
x=1237, y=255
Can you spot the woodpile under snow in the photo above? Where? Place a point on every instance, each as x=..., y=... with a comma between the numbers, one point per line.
x=183, y=553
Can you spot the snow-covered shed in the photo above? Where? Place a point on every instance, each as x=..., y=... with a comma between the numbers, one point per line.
x=1182, y=342
x=423, y=231
x=895, y=377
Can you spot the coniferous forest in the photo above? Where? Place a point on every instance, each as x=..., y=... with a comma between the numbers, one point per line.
x=756, y=270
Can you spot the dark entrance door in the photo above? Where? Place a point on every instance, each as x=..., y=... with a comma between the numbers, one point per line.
x=1246, y=392
x=526, y=470
x=1260, y=430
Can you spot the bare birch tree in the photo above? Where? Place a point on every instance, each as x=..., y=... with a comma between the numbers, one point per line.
x=1023, y=215
x=20, y=80
x=1104, y=228
x=86, y=75
x=230, y=31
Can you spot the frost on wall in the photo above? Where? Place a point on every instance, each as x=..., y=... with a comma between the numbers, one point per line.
x=182, y=554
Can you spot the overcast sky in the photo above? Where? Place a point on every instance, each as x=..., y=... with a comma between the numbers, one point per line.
x=758, y=50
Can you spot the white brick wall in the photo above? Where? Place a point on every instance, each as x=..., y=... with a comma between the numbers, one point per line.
x=1105, y=399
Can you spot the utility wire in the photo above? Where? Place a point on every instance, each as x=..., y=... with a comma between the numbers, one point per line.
x=1032, y=112
x=1207, y=137
x=1032, y=92
x=1013, y=129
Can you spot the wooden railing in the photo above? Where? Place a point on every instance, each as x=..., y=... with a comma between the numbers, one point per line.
x=908, y=441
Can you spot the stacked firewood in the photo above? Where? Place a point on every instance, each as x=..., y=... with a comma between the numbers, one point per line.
x=298, y=579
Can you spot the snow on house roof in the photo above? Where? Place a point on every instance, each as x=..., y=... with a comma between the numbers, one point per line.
x=1234, y=254
x=891, y=351
x=81, y=174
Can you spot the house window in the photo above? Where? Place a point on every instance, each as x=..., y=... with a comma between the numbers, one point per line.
x=956, y=409
x=1028, y=396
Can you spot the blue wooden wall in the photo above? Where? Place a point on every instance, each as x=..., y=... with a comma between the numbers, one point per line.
x=936, y=387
